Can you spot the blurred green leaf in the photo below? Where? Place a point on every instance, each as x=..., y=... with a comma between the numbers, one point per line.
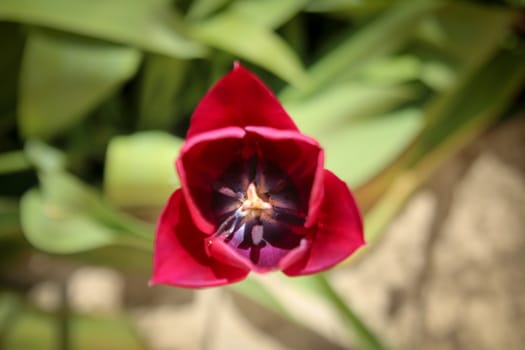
x=267, y=13
x=362, y=149
x=35, y=329
x=148, y=24
x=52, y=226
x=11, y=46
x=391, y=70
x=342, y=104
x=64, y=77
x=103, y=333
x=200, y=9
x=298, y=299
x=365, y=338
x=66, y=216
x=456, y=119
x=355, y=51
x=32, y=332
x=474, y=103
x=238, y=35
x=470, y=40
x=253, y=289
x=140, y=169
x=9, y=217
x=162, y=79
x=438, y=75
x=349, y=6
x=319, y=285
x=10, y=305
x=14, y=161
x=44, y=157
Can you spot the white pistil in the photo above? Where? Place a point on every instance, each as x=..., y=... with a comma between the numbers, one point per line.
x=253, y=201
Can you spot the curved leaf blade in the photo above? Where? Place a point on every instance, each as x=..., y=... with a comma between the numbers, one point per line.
x=52, y=227
x=360, y=151
x=144, y=24
x=126, y=183
x=252, y=42
x=63, y=78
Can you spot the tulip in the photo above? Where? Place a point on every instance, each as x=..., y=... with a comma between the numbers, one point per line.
x=254, y=195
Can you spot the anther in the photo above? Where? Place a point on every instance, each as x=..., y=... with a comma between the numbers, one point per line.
x=257, y=234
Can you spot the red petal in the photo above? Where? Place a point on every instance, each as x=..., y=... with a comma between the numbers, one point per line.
x=202, y=159
x=180, y=258
x=339, y=230
x=239, y=99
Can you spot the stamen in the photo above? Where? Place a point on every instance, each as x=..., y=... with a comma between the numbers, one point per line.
x=227, y=191
x=229, y=225
x=257, y=234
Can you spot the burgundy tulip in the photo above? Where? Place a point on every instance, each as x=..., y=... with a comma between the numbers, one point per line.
x=254, y=197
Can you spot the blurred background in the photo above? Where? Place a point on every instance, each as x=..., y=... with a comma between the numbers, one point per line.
x=419, y=105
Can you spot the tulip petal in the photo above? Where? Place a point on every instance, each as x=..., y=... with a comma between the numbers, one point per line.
x=239, y=99
x=202, y=159
x=180, y=257
x=338, y=233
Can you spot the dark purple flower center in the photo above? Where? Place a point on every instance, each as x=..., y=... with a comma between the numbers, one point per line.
x=257, y=211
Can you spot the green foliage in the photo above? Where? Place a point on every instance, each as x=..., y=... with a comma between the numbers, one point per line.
x=148, y=25
x=135, y=178
x=236, y=34
x=30, y=328
x=58, y=68
x=389, y=88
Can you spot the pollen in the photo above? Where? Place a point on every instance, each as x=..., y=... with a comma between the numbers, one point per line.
x=253, y=201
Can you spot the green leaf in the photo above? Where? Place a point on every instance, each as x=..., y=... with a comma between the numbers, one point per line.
x=35, y=329
x=253, y=289
x=44, y=157
x=148, y=24
x=457, y=118
x=397, y=24
x=471, y=40
x=267, y=13
x=474, y=103
x=10, y=305
x=54, y=227
x=14, y=161
x=341, y=104
x=140, y=169
x=359, y=151
x=392, y=70
x=104, y=332
x=200, y=9
x=249, y=40
x=162, y=79
x=349, y=6
x=66, y=216
x=306, y=300
x=64, y=77
x=11, y=47
x=320, y=286
x=9, y=217
x=365, y=338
